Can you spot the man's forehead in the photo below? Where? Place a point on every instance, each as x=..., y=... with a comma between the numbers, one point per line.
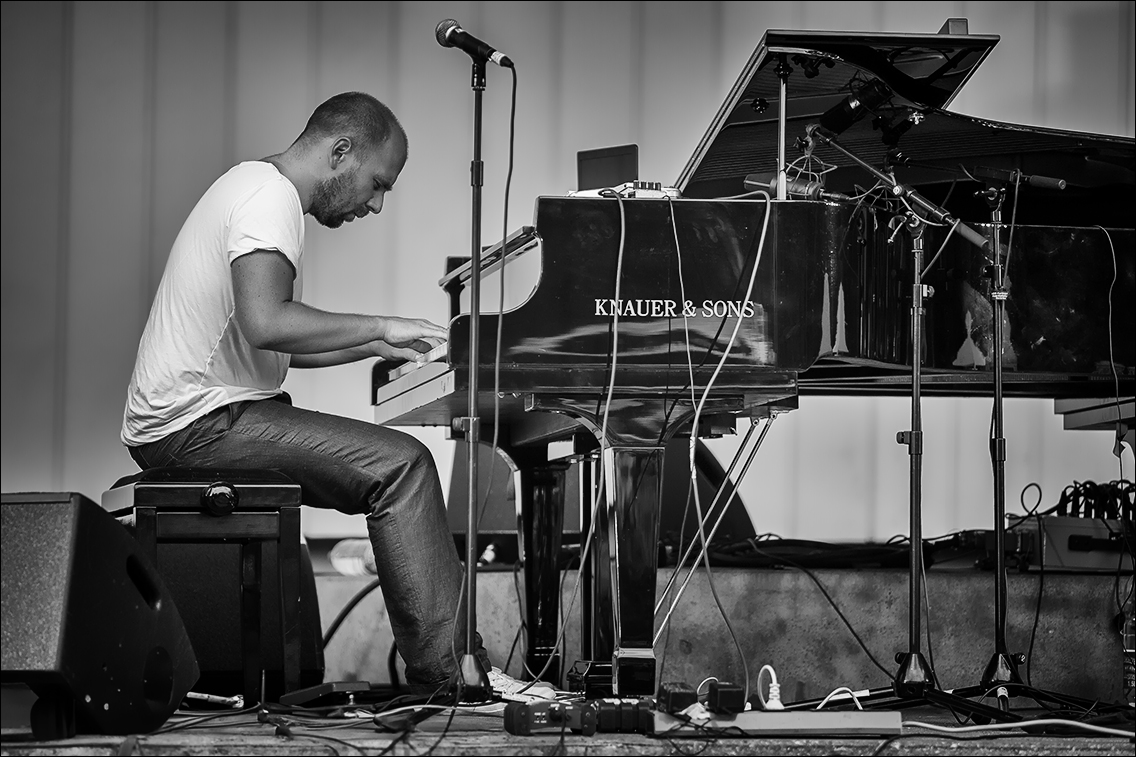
x=387, y=161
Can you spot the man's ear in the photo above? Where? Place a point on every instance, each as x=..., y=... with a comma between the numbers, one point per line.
x=339, y=150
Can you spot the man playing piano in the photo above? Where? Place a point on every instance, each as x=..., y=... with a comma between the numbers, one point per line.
x=226, y=325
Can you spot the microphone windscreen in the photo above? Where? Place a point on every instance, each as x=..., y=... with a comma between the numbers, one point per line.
x=443, y=31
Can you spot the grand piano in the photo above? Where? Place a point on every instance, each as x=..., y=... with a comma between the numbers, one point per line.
x=664, y=315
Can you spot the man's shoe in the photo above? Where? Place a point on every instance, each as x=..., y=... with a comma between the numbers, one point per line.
x=508, y=688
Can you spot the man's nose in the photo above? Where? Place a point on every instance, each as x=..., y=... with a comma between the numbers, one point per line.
x=376, y=203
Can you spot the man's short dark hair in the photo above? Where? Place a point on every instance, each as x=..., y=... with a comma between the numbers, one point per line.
x=357, y=115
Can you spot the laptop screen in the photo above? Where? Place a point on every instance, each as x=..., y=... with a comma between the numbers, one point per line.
x=607, y=167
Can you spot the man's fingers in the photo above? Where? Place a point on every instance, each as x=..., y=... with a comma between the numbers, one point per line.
x=411, y=331
x=425, y=345
x=434, y=331
x=409, y=354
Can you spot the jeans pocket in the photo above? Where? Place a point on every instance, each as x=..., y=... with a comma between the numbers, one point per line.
x=171, y=450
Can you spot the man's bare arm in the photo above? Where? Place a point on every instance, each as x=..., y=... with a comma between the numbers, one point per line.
x=412, y=353
x=271, y=320
x=336, y=357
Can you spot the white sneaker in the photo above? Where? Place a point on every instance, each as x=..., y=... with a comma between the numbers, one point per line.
x=510, y=689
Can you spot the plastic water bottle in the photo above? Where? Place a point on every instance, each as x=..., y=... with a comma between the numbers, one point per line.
x=1129, y=654
x=353, y=557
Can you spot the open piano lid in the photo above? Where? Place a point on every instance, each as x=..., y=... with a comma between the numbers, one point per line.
x=881, y=92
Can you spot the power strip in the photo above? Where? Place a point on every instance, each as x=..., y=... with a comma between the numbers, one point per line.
x=801, y=723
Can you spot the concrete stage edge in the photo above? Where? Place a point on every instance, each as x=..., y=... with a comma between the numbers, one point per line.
x=781, y=618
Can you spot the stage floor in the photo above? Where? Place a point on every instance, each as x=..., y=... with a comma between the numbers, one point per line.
x=483, y=733
x=781, y=617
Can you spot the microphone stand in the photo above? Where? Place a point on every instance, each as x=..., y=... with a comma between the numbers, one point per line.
x=914, y=683
x=1002, y=670
x=472, y=678
x=1001, y=676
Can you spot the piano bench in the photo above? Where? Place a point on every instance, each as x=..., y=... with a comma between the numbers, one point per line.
x=252, y=509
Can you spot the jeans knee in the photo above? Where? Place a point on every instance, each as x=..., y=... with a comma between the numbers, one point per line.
x=404, y=472
x=419, y=458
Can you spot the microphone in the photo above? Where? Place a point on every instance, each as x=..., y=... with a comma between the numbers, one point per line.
x=999, y=174
x=808, y=190
x=449, y=34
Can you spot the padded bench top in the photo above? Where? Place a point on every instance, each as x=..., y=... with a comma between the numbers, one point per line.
x=181, y=488
x=234, y=476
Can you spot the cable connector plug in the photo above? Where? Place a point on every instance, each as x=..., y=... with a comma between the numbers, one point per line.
x=774, y=701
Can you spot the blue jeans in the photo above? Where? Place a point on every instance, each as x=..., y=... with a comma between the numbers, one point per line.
x=356, y=468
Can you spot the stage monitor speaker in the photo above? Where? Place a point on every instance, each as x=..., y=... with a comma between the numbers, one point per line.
x=88, y=624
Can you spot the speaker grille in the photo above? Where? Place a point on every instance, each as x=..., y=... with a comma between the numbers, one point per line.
x=36, y=562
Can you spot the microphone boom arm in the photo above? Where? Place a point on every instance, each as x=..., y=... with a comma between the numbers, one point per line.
x=814, y=131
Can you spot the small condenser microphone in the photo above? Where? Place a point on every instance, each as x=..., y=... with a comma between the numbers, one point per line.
x=808, y=190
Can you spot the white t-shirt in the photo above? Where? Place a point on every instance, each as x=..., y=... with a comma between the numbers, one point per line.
x=193, y=358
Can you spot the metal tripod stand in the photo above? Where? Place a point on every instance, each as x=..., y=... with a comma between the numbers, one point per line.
x=914, y=682
x=1000, y=678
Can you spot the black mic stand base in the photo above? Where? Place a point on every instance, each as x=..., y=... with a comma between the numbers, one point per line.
x=1002, y=680
x=471, y=681
x=915, y=677
x=1000, y=675
x=914, y=685
x=1002, y=669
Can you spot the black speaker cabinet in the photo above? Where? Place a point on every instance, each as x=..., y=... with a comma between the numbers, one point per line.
x=88, y=624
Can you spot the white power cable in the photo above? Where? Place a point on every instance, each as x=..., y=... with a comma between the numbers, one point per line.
x=674, y=603
x=695, y=423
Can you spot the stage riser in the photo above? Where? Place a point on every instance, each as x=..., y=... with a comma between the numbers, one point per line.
x=782, y=619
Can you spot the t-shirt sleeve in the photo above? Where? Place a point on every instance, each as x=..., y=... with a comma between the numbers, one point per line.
x=267, y=218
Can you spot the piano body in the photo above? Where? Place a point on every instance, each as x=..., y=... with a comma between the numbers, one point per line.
x=648, y=320
x=884, y=97
x=665, y=323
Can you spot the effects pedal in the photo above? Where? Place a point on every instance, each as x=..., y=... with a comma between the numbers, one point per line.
x=622, y=716
x=525, y=719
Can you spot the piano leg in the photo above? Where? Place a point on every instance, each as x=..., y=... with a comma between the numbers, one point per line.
x=542, y=523
x=586, y=488
x=625, y=552
x=625, y=570
x=623, y=563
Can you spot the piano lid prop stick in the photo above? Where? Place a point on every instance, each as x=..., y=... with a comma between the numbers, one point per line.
x=814, y=131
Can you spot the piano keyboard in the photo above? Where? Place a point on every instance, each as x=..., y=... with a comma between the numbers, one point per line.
x=435, y=355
